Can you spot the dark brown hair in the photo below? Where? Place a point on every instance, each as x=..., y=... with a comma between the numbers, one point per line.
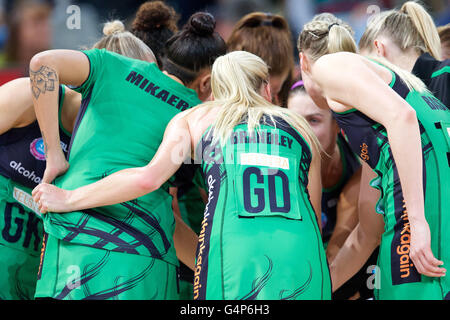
x=155, y=23
x=195, y=47
x=269, y=37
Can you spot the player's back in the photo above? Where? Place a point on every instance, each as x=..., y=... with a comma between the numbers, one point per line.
x=259, y=221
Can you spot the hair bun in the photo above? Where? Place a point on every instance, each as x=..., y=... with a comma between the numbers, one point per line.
x=202, y=23
x=112, y=27
x=154, y=15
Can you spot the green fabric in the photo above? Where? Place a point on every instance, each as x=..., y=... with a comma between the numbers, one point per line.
x=186, y=290
x=441, y=71
x=76, y=272
x=128, y=104
x=20, y=241
x=17, y=274
x=259, y=238
x=434, y=118
x=398, y=279
x=21, y=227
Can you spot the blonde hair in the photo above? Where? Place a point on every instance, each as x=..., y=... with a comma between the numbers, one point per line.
x=118, y=40
x=409, y=27
x=236, y=81
x=326, y=34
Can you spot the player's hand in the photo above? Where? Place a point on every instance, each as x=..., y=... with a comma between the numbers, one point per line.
x=56, y=165
x=420, y=251
x=51, y=198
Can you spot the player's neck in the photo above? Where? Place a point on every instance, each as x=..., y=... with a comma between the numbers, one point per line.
x=173, y=77
x=407, y=60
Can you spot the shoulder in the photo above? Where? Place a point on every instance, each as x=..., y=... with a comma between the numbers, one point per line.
x=335, y=60
x=345, y=68
x=100, y=56
x=342, y=61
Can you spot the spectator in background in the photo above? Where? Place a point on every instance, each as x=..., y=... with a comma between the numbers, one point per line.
x=187, y=8
x=107, y=9
x=3, y=28
x=228, y=13
x=444, y=35
x=29, y=33
x=269, y=37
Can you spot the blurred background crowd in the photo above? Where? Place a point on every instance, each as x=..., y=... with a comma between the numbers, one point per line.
x=31, y=26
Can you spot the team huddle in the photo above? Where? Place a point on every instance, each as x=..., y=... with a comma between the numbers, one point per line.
x=170, y=164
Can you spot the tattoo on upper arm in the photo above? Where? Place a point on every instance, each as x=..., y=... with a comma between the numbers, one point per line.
x=43, y=80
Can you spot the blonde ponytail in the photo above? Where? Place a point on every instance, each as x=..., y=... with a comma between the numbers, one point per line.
x=340, y=39
x=409, y=27
x=425, y=27
x=236, y=80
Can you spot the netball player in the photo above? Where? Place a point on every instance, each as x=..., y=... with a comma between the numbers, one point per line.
x=268, y=36
x=124, y=251
x=409, y=39
x=155, y=23
x=381, y=123
x=339, y=165
x=22, y=168
x=22, y=164
x=341, y=175
x=260, y=238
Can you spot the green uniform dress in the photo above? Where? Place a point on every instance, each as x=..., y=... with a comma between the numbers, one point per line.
x=396, y=276
x=20, y=241
x=259, y=238
x=123, y=251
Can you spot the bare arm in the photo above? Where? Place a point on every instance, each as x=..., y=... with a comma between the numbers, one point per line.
x=347, y=215
x=364, y=238
x=379, y=102
x=185, y=241
x=16, y=105
x=47, y=70
x=129, y=184
x=124, y=185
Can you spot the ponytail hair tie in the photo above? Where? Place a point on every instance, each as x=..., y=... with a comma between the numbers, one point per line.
x=297, y=84
x=331, y=25
x=267, y=22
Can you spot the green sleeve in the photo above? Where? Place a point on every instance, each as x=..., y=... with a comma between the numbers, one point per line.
x=96, y=67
